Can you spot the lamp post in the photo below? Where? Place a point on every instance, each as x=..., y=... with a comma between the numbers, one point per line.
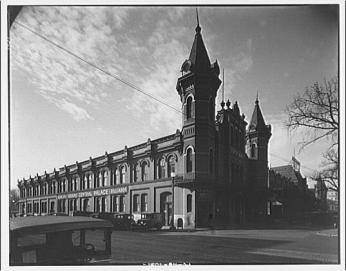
x=172, y=222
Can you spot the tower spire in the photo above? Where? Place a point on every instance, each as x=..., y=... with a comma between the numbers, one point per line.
x=257, y=121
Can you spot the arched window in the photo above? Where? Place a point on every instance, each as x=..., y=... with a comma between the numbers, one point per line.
x=189, y=203
x=162, y=168
x=211, y=160
x=136, y=203
x=189, y=160
x=89, y=180
x=98, y=179
x=253, y=149
x=144, y=174
x=86, y=180
x=113, y=177
x=144, y=203
x=135, y=173
x=122, y=174
x=211, y=109
x=117, y=177
x=105, y=178
x=189, y=107
x=171, y=166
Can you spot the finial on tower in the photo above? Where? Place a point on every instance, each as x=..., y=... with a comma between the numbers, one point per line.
x=228, y=104
x=198, y=28
x=257, y=98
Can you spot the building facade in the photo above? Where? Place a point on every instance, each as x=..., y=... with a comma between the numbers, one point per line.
x=290, y=196
x=332, y=201
x=212, y=171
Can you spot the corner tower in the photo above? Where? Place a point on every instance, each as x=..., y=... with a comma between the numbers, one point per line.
x=197, y=88
x=258, y=136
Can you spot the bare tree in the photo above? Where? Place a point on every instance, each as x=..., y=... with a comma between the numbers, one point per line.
x=330, y=172
x=318, y=110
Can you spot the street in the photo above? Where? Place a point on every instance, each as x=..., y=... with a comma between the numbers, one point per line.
x=225, y=247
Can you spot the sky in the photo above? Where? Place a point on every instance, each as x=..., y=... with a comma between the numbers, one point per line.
x=64, y=110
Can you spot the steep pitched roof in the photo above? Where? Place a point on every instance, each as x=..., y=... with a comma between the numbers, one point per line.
x=199, y=55
x=286, y=171
x=257, y=121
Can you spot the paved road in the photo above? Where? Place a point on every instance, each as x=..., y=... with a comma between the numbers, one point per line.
x=225, y=247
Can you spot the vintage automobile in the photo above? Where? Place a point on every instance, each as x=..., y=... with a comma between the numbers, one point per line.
x=82, y=213
x=150, y=221
x=59, y=240
x=124, y=222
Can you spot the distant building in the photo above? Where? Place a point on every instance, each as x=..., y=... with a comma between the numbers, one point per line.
x=332, y=201
x=212, y=170
x=292, y=173
x=290, y=194
x=321, y=194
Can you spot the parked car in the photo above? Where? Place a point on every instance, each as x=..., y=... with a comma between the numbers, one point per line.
x=82, y=213
x=124, y=222
x=150, y=221
x=59, y=240
x=119, y=221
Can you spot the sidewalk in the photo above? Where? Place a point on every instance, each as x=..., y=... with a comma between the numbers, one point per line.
x=328, y=232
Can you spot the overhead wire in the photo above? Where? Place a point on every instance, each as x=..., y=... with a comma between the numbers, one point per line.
x=126, y=82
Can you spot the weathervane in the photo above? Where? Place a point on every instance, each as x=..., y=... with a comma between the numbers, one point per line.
x=197, y=16
x=198, y=28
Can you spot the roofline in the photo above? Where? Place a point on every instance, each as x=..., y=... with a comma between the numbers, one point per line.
x=135, y=147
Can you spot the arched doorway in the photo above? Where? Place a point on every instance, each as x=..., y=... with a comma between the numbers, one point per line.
x=166, y=207
x=85, y=205
x=103, y=205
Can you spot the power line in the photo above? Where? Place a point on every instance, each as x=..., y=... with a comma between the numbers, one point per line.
x=131, y=85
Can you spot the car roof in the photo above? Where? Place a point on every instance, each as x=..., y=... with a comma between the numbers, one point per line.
x=44, y=224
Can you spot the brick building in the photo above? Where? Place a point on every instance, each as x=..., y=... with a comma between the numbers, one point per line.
x=289, y=191
x=213, y=169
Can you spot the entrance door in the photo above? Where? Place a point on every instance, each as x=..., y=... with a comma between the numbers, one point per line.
x=52, y=207
x=166, y=207
x=85, y=205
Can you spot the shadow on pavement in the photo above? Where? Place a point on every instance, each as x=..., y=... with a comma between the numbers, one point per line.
x=147, y=248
